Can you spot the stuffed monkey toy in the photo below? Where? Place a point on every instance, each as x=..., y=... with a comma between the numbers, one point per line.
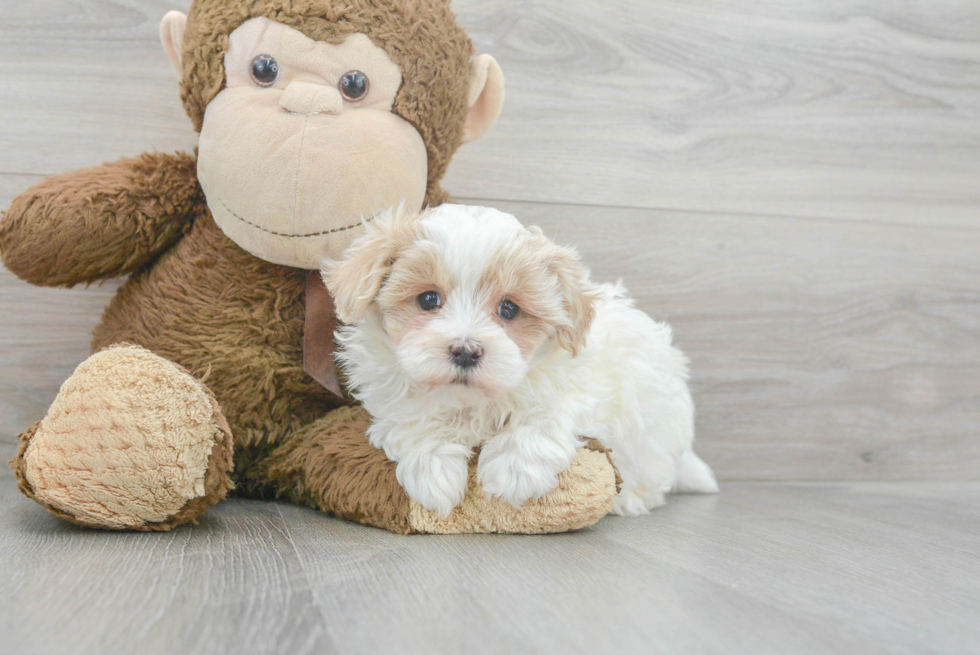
x=212, y=366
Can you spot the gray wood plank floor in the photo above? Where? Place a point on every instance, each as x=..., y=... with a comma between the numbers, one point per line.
x=793, y=185
x=761, y=568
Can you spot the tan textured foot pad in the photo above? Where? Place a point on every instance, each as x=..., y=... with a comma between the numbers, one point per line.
x=585, y=493
x=132, y=442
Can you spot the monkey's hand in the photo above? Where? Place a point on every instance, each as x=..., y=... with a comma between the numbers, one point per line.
x=99, y=222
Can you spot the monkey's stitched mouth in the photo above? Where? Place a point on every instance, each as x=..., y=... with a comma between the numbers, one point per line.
x=296, y=236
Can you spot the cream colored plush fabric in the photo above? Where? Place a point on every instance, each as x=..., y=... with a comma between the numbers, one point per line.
x=126, y=441
x=486, y=97
x=590, y=476
x=291, y=170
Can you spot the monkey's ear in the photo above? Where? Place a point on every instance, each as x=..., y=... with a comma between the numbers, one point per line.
x=172, y=37
x=355, y=281
x=486, y=97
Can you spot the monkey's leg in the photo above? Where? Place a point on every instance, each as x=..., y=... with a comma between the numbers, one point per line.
x=132, y=442
x=330, y=465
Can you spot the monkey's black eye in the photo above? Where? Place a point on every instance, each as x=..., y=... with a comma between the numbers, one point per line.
x=429, y=301
x=353, y=85
x=508, y=310
x=265, y=70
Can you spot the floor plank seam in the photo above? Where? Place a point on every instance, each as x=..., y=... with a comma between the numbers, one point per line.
x=707, y=213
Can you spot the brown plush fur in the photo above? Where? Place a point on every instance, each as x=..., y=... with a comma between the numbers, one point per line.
x=329, y=465
x=124, y=213
x=246, y=337
x=421, y=36
x=231, y=319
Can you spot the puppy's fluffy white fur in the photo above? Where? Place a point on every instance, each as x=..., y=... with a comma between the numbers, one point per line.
x=578, y=360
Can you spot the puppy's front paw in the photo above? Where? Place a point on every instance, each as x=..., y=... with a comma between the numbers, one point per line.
x=515, y=474
x=436, y=480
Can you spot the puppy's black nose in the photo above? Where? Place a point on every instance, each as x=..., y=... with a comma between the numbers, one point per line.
x=465, y=355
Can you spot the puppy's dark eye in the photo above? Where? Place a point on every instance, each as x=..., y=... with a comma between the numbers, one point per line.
x=353, y=85
x=508, y=310
x=429, y=301
x=265, y=70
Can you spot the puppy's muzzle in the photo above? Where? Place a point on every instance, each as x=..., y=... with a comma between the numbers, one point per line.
x=465, y=354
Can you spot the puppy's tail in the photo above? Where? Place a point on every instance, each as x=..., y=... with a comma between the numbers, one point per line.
x=694, y=476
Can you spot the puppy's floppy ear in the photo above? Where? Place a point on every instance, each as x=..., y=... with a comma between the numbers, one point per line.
x=579, y=295
x=355, y=280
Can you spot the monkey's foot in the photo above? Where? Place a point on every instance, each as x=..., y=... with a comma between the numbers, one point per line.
x=585, y=493
x=132, y=442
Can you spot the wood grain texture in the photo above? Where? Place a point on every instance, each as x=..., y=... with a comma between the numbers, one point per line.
x=849, y=108
x=762, y=568
x=86, y=82
x=231, y=585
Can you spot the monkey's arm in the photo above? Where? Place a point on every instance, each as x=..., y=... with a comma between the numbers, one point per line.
x=99, y=222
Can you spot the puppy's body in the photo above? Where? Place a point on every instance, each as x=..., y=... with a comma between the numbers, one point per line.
x=527, y=399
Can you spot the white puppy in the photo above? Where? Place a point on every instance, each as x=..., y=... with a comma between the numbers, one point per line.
x=466, y=329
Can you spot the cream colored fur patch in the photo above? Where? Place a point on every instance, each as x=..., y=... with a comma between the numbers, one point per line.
x=585, y=493
x=126, y=441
